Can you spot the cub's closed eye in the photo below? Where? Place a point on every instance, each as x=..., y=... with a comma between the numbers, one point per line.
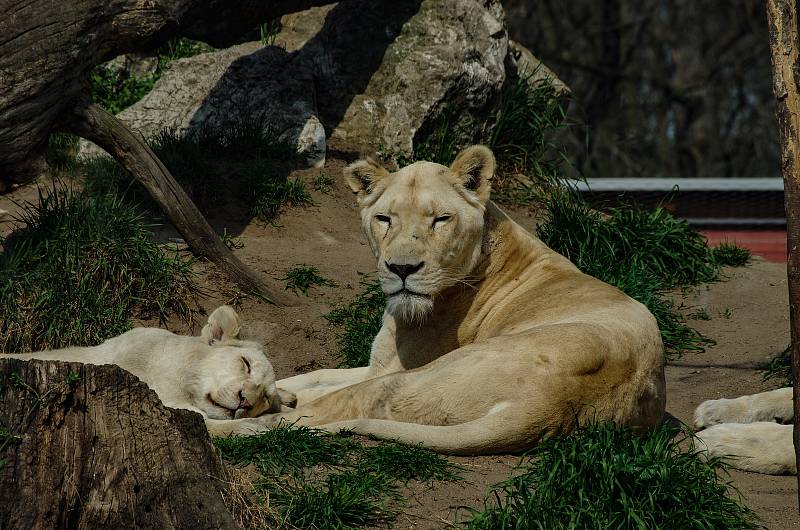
x=246, y=364
x=441, y=219
x=383, y=219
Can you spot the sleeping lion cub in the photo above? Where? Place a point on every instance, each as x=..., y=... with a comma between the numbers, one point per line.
x=215, y=374
x=490, y=340
x=749, y=430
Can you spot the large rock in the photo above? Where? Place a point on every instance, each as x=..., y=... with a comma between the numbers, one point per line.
x=369, y=74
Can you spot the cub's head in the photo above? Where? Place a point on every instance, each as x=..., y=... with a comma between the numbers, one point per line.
x=424, y=224
x=238, y=381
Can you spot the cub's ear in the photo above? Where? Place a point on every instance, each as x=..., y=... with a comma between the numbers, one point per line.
x=362, y=175
x=223, y=324
x=474, y=169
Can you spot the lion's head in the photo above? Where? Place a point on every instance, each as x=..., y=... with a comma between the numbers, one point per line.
x=238, y=380
x=424, y=224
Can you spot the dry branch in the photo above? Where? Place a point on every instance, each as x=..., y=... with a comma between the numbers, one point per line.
x=132, y=152
x=785, y=50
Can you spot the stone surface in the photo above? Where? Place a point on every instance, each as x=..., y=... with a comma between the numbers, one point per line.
x=367, y=74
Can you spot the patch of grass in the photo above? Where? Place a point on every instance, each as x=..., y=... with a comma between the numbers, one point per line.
x=779, y=368
x=643, y=253
x=730, y=254
x=320, y=480
x=323, y=183
x=527, y=115
x=61, y=151
x=231, y=241
x=302, y=277
x=359, y=321
x=247, y=155
x=700, y=314
x=268, y=192
x=286, y=449
x=407, y=462
x=79, y=268
x=268, y=32
x=603, y=477
x=115, y=89
x=340, y=500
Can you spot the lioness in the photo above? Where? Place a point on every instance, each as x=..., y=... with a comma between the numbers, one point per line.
x=749, y=430
x=490, y=340
x=214, y=374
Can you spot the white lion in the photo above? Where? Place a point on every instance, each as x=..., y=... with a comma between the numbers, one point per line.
x=749, y=430
x=490, y=340
x=215, y=374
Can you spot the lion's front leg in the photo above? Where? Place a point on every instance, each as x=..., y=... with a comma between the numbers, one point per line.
x=310, y=386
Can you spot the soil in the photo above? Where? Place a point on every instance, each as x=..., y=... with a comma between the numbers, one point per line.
x=749, y=322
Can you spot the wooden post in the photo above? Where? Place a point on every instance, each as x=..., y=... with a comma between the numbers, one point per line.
x=785, y=52
x=96, y=124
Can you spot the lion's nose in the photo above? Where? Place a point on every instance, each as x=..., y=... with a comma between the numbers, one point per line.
x=405, y=270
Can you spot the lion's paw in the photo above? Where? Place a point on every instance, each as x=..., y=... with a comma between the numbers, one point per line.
x=716, y=411
x=763, y=447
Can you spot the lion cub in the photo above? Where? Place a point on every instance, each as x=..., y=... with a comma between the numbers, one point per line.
x=216, y=374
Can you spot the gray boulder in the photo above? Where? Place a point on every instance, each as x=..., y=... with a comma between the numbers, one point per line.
x=368, y=74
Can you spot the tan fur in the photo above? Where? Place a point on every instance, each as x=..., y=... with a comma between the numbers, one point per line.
x=496, y=341
x=208, y=374
x=748, y=430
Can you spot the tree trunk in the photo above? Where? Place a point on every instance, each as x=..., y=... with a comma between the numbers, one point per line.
x=92, y=447
x=94, y=123
x=785, y=48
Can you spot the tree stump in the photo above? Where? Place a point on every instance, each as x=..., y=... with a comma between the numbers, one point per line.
x=90, y=447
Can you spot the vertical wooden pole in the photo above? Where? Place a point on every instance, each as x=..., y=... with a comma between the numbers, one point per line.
x=785, y=52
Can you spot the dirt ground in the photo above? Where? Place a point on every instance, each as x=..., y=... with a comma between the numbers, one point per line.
x=749, y=321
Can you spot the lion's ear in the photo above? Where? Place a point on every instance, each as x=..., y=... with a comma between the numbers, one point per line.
x=362, y=175
x=474, y=169
x=223, y=324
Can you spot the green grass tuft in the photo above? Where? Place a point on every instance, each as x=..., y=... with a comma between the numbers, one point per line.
x=323, y=183
x=61, y=151
x=603, y=477
x=643, y=253
x=729, y=254
x=408, y=462
x=268, y=192
x=779, y=368
x=246, y=155
x=78, y=269
x=360, y=321
x=287, y=449
x=320, y=480
x=340, y=501
x=302, y=277
x=115, y=89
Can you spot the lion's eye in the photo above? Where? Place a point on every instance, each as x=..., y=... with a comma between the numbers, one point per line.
x=383, y=219
x=246, y=364
x=441, y=219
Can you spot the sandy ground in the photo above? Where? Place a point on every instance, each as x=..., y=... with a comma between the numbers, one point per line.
x=749, y=321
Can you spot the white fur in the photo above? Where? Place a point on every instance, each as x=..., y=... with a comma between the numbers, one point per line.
x=745, y=429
